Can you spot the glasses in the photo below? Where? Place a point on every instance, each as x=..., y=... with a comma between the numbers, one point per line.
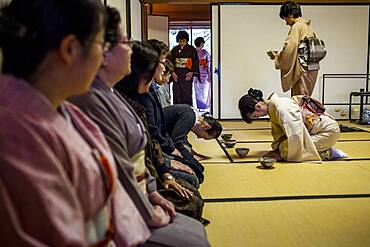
x=129, y=42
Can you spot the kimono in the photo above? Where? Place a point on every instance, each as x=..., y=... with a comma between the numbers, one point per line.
x=158, y=129
x=185, y=60
x=125, y=134
x=158, y=164
x=202, y=85
x=293, y=75
x=58, y=184
x=291, y=137
x=123, y=131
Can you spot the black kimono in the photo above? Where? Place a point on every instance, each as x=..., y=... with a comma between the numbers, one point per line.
x=185, y=60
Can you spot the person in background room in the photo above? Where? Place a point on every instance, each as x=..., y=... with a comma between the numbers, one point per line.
x=295, y=76
x=185, y=59
x=202, y=85
x=58, y=182
x=300, y=127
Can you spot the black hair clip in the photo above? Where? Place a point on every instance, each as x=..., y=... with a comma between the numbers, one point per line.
x=255, y=94
x=207, y=114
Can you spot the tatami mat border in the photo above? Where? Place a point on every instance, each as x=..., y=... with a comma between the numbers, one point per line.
x=255, y=161
x=286, y=198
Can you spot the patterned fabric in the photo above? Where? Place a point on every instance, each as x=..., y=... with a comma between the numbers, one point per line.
x=287, y=60
x=155, y=159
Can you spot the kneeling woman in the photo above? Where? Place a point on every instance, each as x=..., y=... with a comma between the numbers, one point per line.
x=299, y=134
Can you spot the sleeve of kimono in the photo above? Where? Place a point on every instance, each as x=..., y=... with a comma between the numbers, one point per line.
x=292, y=148
x=286, y=58
x=151, y=184
x=195, y=59
x=159, y=160
x=91, y=105
x=278, y=135
x=165, y=141
x=209, y=65
x=38, y=204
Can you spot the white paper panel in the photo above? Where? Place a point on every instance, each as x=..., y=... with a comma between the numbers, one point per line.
x=135, y=20
x=214, y=65
x=121, y=6
x=158, y=27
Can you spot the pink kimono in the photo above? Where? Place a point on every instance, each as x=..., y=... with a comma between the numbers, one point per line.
x=58, y=184
x=202, y=86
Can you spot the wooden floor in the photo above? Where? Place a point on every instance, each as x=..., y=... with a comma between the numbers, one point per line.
x=306, y=204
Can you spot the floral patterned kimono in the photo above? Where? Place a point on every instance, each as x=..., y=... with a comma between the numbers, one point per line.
x=294, y=140
x=202, y=86
x=58, y=183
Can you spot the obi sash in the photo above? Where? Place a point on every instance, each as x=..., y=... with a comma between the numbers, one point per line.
x=138, y=162
x=99, y=229
x=186, y=62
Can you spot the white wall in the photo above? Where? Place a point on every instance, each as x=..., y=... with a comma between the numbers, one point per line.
x=158, y=28
x=135, y=19
x=248, y=31
x=121, y=6
x=214, y=64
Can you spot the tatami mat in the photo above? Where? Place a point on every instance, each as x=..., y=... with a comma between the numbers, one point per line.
x=321, y=223
x=209, y=148
x=247, y=135
x=239, y=124
x=294, y=204
x=354, y=149
x=287, y=179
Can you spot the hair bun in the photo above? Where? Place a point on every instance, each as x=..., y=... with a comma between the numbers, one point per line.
x=256, y=94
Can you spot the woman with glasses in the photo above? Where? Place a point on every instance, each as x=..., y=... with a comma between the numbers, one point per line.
x=58, y=183
x=125, y=134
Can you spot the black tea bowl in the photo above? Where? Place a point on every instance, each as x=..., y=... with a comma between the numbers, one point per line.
x=267, y=162
x=230, y=143
x=242, y=152
x=226, y=137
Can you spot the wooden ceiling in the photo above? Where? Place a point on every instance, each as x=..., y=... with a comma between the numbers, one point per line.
x=199, y=10
x=183, y=12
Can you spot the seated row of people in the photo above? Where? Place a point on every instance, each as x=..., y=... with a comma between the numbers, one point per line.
x=72, y=177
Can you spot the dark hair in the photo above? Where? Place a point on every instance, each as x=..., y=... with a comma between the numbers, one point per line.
x=31, y=29
x=247, y=103
x=198, y=41
x=168, y=65
x=216, y=127
x=144, y=61
x=290, y=8
x=112, y=25
x=182, y=35
x=160, y=47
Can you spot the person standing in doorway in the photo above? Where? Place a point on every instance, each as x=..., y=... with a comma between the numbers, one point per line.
x=202, y=86
x=295, y=76
x=185, y=59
